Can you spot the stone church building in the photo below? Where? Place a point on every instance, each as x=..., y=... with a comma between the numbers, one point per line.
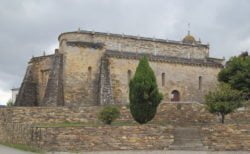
x=94, y=68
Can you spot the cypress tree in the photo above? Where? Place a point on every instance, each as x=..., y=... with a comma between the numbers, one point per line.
x=144, y=95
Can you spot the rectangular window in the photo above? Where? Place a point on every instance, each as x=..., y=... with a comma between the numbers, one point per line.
x=163, y=79
x=200, y=82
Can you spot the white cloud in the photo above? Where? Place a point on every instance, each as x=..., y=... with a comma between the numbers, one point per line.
x=29, y=27
x=4, y=96
x=244, y=45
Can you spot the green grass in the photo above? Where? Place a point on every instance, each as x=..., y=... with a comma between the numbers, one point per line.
x=66, y=124
x=79, y=124
x=23, y=147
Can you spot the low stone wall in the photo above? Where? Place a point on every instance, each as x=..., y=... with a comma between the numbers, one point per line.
x=167, y=113
x=227, y=137
x=19, y=133
x=147, y=137
x=134, y=137
x=88, y=138
x=38, y=115
x=48, y=114
x=183, y=113
x=23, y=125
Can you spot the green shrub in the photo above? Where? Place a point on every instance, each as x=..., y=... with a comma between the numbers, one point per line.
x=108, y=114
x=144, y=95
x=223, y=100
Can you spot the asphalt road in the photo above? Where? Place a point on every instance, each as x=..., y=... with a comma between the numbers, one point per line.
x=8, y=150
x=161, y=152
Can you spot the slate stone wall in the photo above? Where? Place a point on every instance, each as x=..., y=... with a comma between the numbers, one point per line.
x=227, y=137
x=28, y=92
x=180, y=113
x=54, y=88
x=26, y=125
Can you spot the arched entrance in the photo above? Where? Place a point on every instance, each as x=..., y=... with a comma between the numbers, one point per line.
x=175, y=96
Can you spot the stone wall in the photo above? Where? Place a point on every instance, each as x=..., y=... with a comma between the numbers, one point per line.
x=105, y=88
x=27, y=125
x=53, y=95
x=17, y=133
x=227, y=137
x=143, y=137
x=167, y=113
x=128, y=137
x=181, y=77
x=137, y=44
x=81, y=72
x=33, y=87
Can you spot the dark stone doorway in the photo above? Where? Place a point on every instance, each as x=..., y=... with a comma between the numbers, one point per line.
x=175, y=96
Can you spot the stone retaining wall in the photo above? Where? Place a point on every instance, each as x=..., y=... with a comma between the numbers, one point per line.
x=18, y=133
x=167, y=113
x=134, y=137
x=146, y=137
x=20, y=125
x=227, y=137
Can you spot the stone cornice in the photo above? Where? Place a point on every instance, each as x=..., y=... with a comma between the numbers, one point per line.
x=160, y=58
x=85, y=44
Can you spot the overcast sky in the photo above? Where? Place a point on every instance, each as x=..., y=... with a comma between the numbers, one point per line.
x=28, y=27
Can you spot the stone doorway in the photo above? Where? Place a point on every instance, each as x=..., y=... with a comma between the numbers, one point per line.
x=175, y=96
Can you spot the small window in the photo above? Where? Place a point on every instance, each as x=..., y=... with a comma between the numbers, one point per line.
x=200, y=82
x=163, y=79
x=129, y=75
x=89, y=72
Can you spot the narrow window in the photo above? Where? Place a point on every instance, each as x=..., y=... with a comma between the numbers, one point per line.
x=89, y=72
x=163, y=79
x=129, y=75
x=200, y=82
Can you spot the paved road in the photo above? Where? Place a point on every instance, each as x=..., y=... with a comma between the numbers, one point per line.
x=160, y=152
x=8, y=150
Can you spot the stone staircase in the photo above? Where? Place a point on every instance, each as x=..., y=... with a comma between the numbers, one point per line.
x=105, y=93
x=187, y=138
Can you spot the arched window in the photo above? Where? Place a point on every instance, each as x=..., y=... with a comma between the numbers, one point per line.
x=89, y=72
x=175, y=96
x=163, y=79
x=129, y=75
x=200, y=82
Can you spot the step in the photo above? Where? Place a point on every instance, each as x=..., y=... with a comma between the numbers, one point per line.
x=193, y=148
x=181, y=142
x=187, y=138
